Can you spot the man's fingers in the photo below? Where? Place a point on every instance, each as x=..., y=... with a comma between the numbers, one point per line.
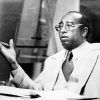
x=1, y=46
x=11, y=43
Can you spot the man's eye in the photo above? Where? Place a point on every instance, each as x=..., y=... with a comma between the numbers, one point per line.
x=68, y=25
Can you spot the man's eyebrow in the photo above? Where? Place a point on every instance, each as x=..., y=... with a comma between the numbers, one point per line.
x=69, y=22
x=60, y=22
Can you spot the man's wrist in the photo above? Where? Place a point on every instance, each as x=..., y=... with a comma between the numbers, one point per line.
x=14, y=65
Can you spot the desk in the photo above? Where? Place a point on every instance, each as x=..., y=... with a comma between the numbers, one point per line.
x=12, y=93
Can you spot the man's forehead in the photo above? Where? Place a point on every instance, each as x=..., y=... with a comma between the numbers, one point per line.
x=72, y=17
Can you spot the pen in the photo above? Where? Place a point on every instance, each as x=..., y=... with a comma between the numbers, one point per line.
x=24, y=96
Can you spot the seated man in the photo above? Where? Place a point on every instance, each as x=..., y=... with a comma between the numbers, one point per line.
x=76, y=68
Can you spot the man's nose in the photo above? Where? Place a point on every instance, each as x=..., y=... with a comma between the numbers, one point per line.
x=63, y=30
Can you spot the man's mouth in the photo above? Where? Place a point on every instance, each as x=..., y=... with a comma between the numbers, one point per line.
x=64, y=39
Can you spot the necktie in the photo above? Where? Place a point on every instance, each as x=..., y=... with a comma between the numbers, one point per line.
x=68, y=66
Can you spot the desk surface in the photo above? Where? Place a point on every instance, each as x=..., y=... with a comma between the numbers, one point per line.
x=12, y=93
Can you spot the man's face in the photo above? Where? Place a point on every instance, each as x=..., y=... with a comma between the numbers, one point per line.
x=69, y=33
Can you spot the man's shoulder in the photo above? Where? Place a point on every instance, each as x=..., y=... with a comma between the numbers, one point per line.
x=95, y=46
x=58, y=54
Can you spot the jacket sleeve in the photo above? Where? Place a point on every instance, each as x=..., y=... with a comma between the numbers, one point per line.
x=21, y=79
x=45, y=80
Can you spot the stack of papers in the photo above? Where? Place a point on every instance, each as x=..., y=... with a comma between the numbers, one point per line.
x=17, y=92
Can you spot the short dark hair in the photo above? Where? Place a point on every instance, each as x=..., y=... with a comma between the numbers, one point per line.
x=84, y=20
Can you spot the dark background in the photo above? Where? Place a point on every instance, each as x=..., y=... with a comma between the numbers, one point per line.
x=92, y=9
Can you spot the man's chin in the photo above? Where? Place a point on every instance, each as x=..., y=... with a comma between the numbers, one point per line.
x=67, y=47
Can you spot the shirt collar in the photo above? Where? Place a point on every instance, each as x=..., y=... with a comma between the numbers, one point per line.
x=80, y=50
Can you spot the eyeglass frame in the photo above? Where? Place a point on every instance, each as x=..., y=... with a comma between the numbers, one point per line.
x=68, y=26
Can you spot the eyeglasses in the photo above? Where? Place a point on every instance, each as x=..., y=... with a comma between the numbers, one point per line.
x=68, y=26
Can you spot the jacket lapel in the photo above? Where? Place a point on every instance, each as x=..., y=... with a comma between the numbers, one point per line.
x=54, y=66
x=84, y=67
x=91, y=62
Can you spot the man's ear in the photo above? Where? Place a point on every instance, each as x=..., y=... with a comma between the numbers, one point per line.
x=84, y=32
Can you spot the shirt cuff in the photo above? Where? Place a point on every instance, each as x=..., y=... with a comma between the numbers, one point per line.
x=18, y=77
